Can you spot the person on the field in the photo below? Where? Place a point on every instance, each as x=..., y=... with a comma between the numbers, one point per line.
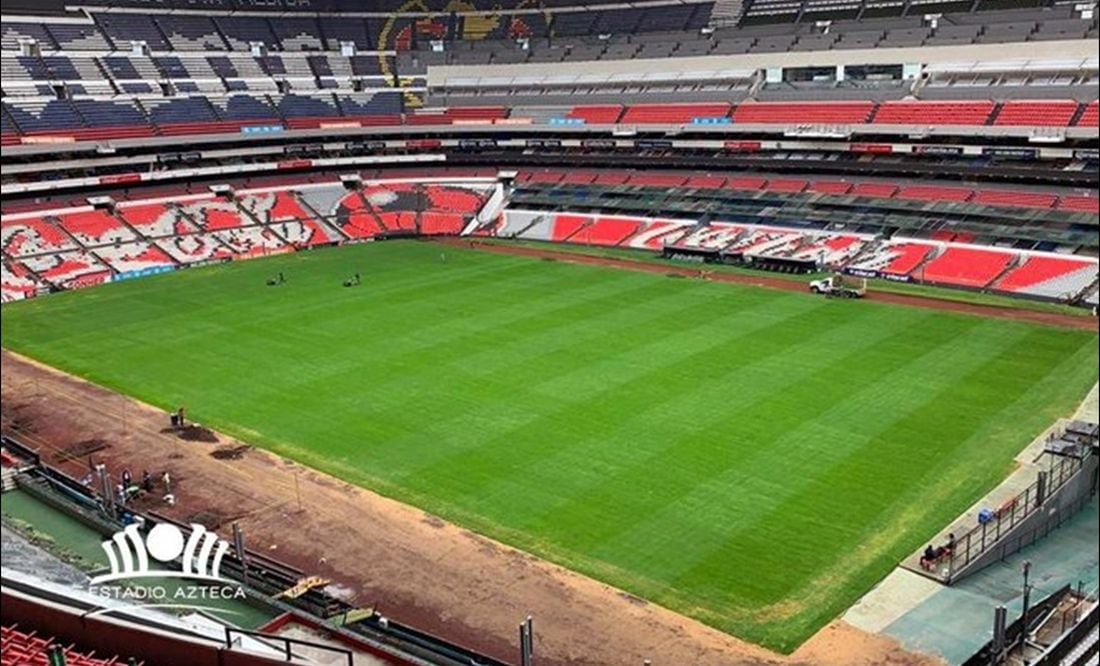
x=949, y=547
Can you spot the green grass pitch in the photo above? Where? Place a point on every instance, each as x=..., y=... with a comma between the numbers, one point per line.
x=755, y=459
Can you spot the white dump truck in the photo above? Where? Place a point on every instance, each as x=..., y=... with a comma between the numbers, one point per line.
x=845, y=286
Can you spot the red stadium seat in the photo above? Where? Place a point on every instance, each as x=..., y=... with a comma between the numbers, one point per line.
x=934, y=113
x=1057, y=113
x=966, y=267
x=814, y=113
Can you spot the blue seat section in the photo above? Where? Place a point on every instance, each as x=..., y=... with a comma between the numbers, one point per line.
x=172, y=67
x=339, y=30
x=14, y=30
x=319, y=65
x=77, y=37
x=137, y=88
x=243, y=107
x=33, y=67
x=298, y=34
x=121, y=67
x=180, y=111
x=242, y=30
x=364, y=65
x=367, y=104
x=223, y=67
x=109, y=114
x=273, y=65
x=301, y=106
x=39, y=115
x=60, y=67
x=191, y=33
x=126, y=28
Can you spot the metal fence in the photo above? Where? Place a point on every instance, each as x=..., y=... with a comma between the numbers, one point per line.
x=989, y=534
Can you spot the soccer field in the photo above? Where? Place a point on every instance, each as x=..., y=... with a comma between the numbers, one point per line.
x=755, y=459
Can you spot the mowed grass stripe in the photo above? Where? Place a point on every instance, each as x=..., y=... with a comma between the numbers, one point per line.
x=810, y=491
x=663, y=454
x=755, y=459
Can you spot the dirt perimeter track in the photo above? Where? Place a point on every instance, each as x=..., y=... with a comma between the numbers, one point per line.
x=763, y=280
x=409, y=565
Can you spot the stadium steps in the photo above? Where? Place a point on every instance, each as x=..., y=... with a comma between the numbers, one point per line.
x=11, y=119
x=992, y=119
x=1091, y=289
x=726, y=13
x=105, y=75
x=369, y=207
x=1017, y=261
x=320, y=218
x=145, y=113
x=577, y=231
x=421, y=197
x=1078, y=114
x=51, y=220
x=918, y=270
x=278, y=112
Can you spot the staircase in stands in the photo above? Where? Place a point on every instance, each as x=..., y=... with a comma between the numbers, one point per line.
x=726, y=12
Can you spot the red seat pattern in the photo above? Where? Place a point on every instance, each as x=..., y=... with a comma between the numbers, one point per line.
x=934, y=193
x=29, y=649
x=17, y=283
x=285, y=206
x=705, y=182
x=155, y=220
x=1040, y=269
x=1091, y=115
x=834, y=187
x=95, y=227
x=966, y=267
x=611, y=179
x=69, y=270
x=785, y=185
x=747, y=183
x=193, y=248
x=814, y=113
x=607, y=114
x=1080, y=204
x=355, y=218
x=33, y=235
x=433, y=223
x=1015, y=199
x=934, y=113
x=578, y=178
x=547, y=177
x=874, y=190
x=674, y=114
x=657, y=180
x=1056, y=113
x=454, y=199
x=905, y=258
x=566, y=225
x=216, y=214
x=474, y=115
x=136, y=256
x=657, y=234
x=607, y=232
